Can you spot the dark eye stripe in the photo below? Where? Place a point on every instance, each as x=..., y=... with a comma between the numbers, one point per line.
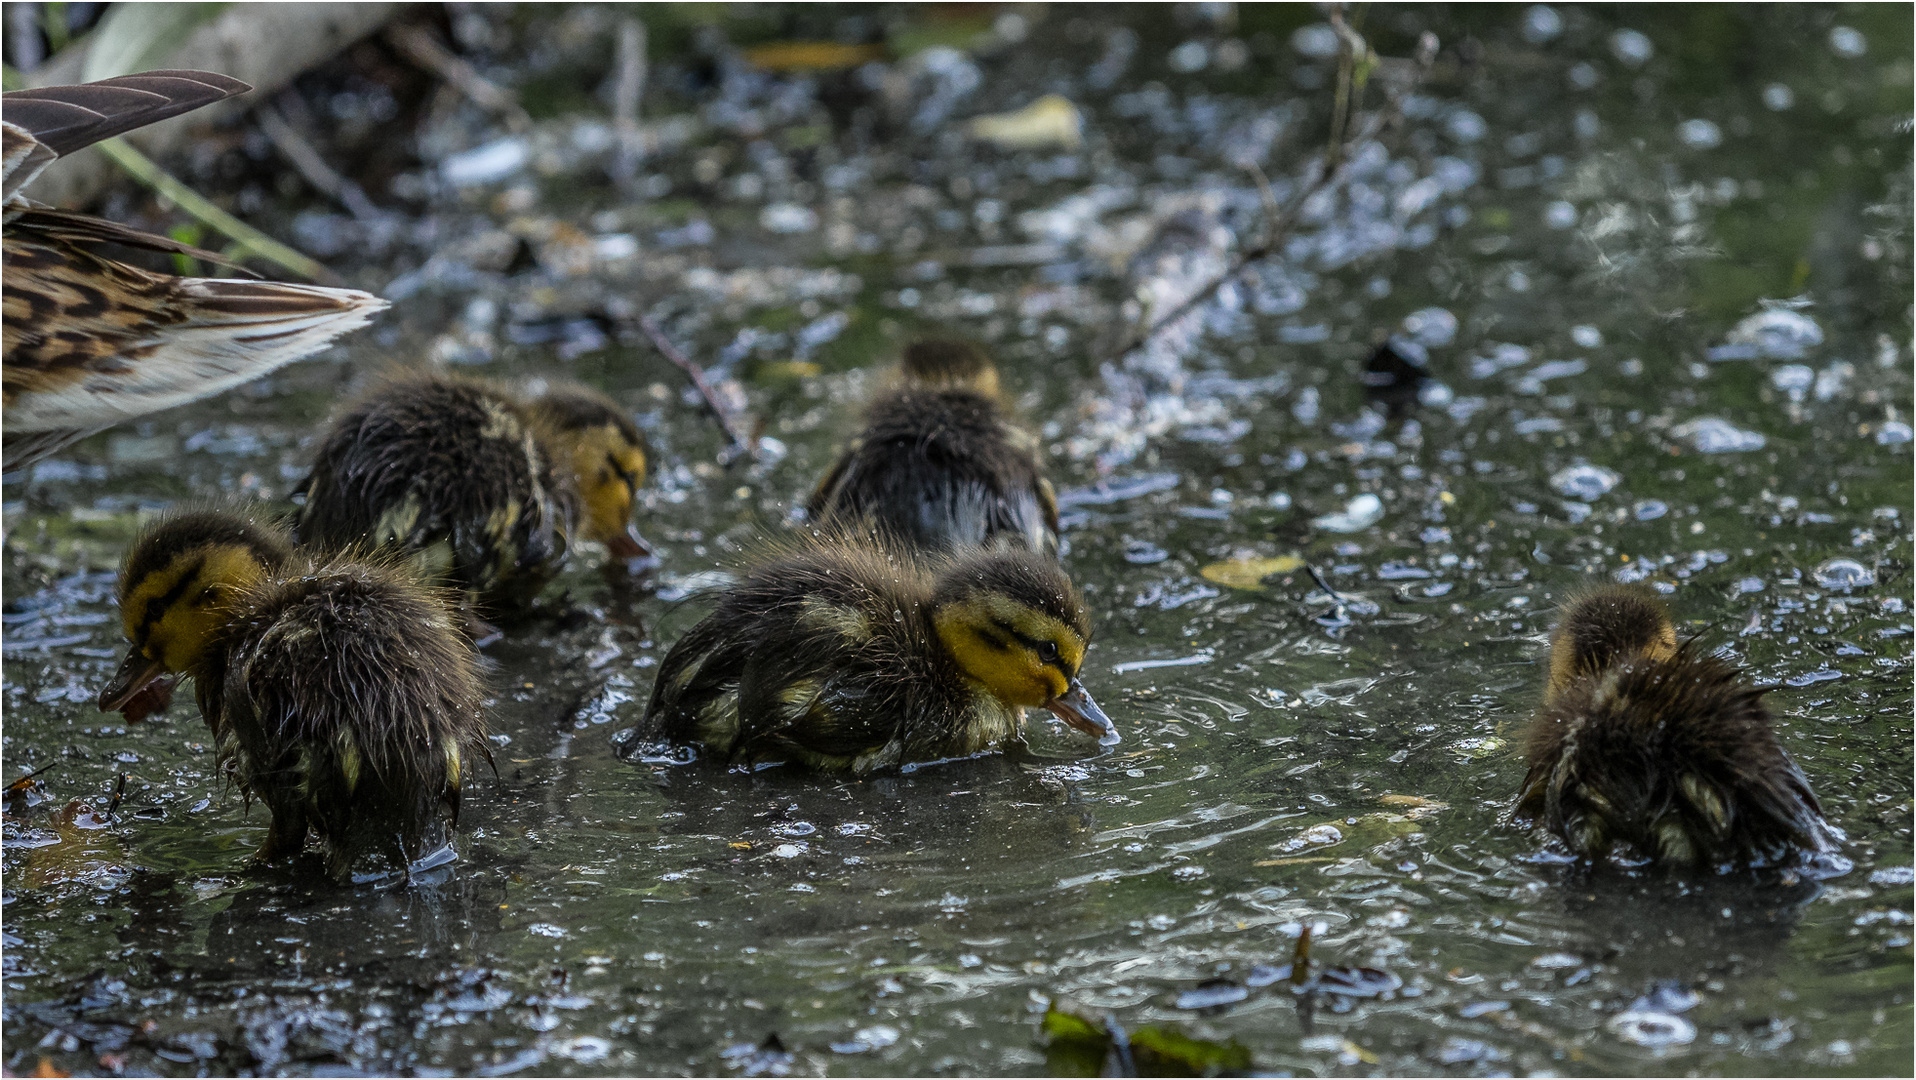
x=157, y=607
x=631, y=478
x=1036, y=645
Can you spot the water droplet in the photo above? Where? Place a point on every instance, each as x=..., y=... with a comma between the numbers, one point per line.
x=1844, y=574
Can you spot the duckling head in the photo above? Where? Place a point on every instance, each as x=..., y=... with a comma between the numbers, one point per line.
x=1015, y=625
x=948, y=364
x=1604, y=627
x=605, y=453
x=177, y=590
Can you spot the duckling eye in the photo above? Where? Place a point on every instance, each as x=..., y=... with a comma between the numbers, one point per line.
x=1048, y=652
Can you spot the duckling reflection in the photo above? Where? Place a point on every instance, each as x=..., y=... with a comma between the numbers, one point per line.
x=939, y=463
x=486, y=491
x=1645, y=746
x=338, y=692
x=852, y=656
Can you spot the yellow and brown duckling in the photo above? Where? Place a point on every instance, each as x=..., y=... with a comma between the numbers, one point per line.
x=1645, y=746
x=940, y=464
x=340, y=693
x=848, y=656
x=91, y=340
x=487, y=491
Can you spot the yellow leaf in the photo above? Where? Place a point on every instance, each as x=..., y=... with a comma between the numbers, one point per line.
x=811, y=55
x=1407, y=800
x=740, y=845
x=1049, y=121
x=1250, y=573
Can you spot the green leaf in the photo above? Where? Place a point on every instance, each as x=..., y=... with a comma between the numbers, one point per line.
x=1167, y=1052
x=139, y=37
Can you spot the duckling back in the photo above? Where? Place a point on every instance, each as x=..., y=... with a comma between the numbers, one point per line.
x=941, y=469
x=449, y=469
x=824, y=657
x=1647, y=744
x=343, y=697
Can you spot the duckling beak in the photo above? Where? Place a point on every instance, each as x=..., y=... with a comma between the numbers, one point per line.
x=631, y=551
x=1076, y=708
x=139, y=689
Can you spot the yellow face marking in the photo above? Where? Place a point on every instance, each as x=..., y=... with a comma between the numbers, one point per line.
x=608, y=471
x=172, y=615
x=1022, y=656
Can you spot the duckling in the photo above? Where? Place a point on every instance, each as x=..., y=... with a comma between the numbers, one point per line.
x=939, y=463
x=487, y=492
x=91, y=341
x=1643, y=741
x=852, y=656
x=339, y=692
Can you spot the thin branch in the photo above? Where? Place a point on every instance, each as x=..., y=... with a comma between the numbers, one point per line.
x=625, y=97
x=193, y=203
x=741, y=446
x=1277, y=232
x=423, y=49
x=312, y=166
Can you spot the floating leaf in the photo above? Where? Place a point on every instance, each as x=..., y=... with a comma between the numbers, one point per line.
x=1249, y=574
x=1077, y=1046
x=1047, y=122
x=811, y=55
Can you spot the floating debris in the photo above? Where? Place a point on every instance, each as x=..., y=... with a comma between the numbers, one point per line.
x=768, y=1058
x=1586, y=482
x=1050, y=121
x=1777, y=333
x=1249, y=573
x=1845, y=574
x=1359, y=514
x=1077, y=1046
x=1710, y=435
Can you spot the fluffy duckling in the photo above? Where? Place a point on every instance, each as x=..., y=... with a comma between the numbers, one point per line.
x=847, y=656
x=339, y=692
x=91, y=341
x=939, y=463
x=487, y=491
x=1644, y=741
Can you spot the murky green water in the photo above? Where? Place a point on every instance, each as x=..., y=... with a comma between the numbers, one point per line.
x=1574, y=213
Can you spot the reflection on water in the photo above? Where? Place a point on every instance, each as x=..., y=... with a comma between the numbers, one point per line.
x=1643, y=276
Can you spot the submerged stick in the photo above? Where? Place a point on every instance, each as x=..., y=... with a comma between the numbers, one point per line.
x=1330, y=174
x=741, y=446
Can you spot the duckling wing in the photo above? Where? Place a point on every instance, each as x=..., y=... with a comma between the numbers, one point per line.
x=91, y=342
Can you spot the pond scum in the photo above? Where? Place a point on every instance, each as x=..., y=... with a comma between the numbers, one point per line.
x=1446, y=473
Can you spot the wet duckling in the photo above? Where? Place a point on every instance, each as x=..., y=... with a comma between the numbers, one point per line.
x=91, y=341
x=940, y=464
x=1645, y=742
x=487, y=491
x=339, y=692
x=847, y=656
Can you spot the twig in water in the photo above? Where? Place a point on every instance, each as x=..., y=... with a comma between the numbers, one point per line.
x=741, y=446
x=192, y=202
x=1329, y=175
x=423, y=49
x=312, y=166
